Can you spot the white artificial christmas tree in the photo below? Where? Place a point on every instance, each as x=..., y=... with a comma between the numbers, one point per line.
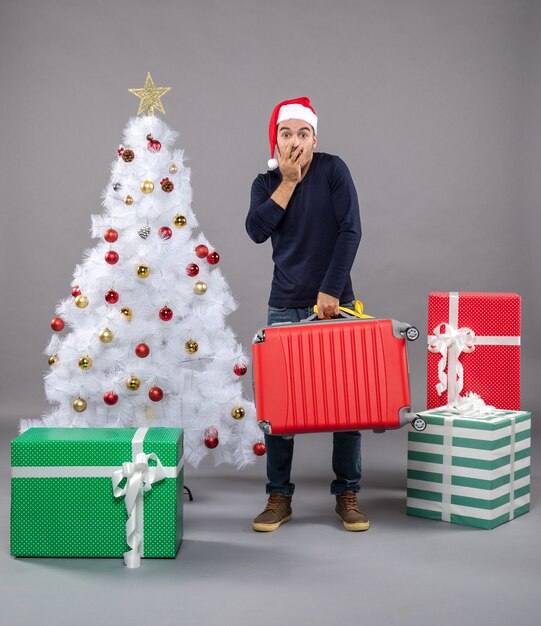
x=143, y=340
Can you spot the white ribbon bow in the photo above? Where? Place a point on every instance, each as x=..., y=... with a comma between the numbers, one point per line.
x=140, y=477
x=445, y=339
x=470, y=405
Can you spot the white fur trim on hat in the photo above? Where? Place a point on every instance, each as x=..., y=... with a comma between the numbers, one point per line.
x=298, y=112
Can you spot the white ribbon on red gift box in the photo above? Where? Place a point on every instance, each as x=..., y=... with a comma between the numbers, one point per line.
x=450, y=341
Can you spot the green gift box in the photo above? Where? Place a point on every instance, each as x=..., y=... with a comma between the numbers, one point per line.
x=97, y=492
x=470, y=470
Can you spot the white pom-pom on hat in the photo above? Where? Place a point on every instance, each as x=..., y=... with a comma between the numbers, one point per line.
x=272, y=164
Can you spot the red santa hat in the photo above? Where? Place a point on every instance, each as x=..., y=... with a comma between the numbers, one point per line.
x=296, y=109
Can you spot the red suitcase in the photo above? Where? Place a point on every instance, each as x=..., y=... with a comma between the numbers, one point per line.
x=331, y=375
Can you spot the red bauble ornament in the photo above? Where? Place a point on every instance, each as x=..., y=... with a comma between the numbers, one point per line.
x=110, y=235
x=111, y=296
x=110, y=398
x=201, y=251
x=213, y=258
x=166, y=314
x=154, y=145
x=211, y=437
x=57, y=324
x=142, y=350
x=111, y=257
x=76, y=291
x=165, y=232
x=192, y=269
x=240, y=369
x=155, y=394
x=259, y=448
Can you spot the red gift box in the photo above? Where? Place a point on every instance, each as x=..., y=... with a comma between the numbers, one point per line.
x=474, y=345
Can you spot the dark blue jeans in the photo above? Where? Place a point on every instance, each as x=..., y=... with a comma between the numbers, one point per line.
x=346, y=456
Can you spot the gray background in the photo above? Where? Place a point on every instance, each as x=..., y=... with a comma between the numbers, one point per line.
x=435, y=105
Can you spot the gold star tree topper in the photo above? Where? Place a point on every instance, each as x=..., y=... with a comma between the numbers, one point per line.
x=150, y=96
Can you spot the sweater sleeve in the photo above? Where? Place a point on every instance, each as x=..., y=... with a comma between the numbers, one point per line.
x=264, y=215
x=346, y=211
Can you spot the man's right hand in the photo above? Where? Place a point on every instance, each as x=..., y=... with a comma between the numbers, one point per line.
x=290, y=163
x=290, y=168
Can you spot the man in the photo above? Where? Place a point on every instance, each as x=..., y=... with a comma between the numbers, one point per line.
x=309, y=209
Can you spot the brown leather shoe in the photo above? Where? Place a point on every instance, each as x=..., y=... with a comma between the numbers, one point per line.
x=276, y=513
x=347, y=510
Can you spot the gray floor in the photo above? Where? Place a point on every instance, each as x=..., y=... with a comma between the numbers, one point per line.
x=404, y=570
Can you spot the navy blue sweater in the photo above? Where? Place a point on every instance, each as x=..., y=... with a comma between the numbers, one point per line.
x=314, y=241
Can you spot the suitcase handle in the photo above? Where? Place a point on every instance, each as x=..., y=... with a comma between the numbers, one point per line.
x=357, y=311
x=346, y=312
x=400, y=329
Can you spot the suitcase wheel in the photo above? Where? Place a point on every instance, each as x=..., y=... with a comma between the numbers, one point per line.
x=412, y=333
x=419, y=424
x=259, y=337
x=265, y=426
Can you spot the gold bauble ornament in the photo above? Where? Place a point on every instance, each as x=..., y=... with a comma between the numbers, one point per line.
x=127, y=312
x=143, y=271
x=128, y=200
x=85, y=362
x=237, y=413
x=79, y=405
x=147, y=186
x=179, y=221
x=106, y=335
x=191, y=346
x=81, y=301
x=133, y=383
x=200, y=287
x=173, y=169
x=53, y=359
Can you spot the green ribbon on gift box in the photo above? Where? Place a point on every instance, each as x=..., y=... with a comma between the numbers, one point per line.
x=139, y=475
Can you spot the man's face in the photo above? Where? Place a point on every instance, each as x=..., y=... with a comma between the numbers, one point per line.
x=297, y=133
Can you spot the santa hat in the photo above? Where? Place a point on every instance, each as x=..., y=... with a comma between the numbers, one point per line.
x=296, y=109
